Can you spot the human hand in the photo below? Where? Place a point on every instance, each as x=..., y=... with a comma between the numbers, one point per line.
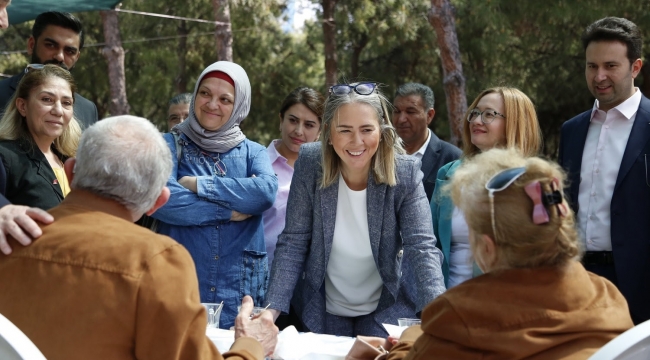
x=260, y=328
x=380, y=343
x=18, y=221
x=237, y=216
x=189, y=182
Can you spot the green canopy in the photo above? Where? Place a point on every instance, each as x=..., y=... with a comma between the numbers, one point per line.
x=24, y=10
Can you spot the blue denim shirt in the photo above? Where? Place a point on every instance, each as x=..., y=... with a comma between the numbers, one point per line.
x=230, y=256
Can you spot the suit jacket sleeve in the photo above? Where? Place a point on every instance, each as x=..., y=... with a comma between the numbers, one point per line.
x=414, y=216
x=170, y=321
x=294, y=242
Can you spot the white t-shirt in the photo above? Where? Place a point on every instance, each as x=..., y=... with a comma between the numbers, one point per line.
x=352, y=281
x=460, y=256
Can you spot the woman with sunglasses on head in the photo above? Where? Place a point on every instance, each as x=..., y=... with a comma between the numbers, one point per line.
x=358, y=248
x=38, y=133
x=221, y=183
x=300, y=120
x=499, y=117
x=535, y=300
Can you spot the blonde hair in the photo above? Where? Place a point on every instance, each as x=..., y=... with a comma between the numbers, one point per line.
x=383, y=162
x=520, y=242
x=13, y=125
x=521, y=124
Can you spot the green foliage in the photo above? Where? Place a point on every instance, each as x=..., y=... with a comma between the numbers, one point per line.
x=533, y=45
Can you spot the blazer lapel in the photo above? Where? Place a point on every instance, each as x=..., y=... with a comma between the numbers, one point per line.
x=328, y=201
x=639, y=137
x=44, y=169
x=375, y=194
x=429, y=155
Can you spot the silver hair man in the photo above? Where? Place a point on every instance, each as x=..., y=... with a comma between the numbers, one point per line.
x=123, y=158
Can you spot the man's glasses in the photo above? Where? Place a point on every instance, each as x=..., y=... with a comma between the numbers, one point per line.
x=487, y=115
x=360, y=88
x=499, y=182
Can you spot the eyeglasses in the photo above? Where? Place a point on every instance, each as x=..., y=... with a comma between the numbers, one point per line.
x=360, y=88
x=499, y=182
x=219, y=166
x=487, y=115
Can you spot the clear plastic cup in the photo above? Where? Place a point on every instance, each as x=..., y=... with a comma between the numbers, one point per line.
x=406, y=322
x=214, y=313
x=256, y=310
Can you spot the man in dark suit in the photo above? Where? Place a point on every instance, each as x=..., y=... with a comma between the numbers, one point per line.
x=605, y=152
x=412, y=115
x=57, y=38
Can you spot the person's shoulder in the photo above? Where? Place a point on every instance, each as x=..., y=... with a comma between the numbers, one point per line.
x=105, y=242
x=253, y=146
x=450, y=149
x=80, y=100
x=11, y=149
x=310, y=150
x=445, y=170
x=583, y=116
x=404, y=161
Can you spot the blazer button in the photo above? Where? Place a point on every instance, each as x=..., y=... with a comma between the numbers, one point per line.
x=303, y=275
x=400, y=253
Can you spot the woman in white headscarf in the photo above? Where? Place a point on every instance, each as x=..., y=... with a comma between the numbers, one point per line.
x=220, y=185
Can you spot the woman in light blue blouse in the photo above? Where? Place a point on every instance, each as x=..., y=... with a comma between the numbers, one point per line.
x=220, y=185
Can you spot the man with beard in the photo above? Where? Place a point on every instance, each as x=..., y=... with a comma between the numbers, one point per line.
x=57, y=38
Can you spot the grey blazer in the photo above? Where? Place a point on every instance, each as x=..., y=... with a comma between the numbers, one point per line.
x=401, y=236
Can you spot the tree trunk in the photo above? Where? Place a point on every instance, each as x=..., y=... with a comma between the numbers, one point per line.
x=356, y=55
x=441, y=18
x=223, y=31
x=329, y=39
x=114, y=54
x=181, y=78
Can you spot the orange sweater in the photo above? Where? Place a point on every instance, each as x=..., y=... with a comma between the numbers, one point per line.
x=96, y=286
x=544, y=313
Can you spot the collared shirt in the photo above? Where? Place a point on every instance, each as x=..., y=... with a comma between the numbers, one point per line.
x=603, y=152
x=273, y=218
x=420, y=153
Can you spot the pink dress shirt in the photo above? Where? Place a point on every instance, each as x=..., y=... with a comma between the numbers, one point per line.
x=273, y=218
x=606, y=141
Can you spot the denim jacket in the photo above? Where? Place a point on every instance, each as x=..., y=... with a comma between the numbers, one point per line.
x=230, y=256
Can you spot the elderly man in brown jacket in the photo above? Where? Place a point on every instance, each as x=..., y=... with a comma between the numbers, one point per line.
x=96, y=286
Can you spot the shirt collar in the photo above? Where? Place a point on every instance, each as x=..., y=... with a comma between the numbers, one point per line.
x=274, y=155
x=627, y=108
x=422, y=149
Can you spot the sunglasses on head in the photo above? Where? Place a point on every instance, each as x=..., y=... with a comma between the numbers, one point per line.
x=499, y=182
x=360, y=88
x=31, y=67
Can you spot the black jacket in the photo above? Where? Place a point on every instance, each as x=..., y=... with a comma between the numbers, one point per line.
x=29, y=178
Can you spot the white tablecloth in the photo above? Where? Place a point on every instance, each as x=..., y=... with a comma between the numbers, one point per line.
x=293, y=345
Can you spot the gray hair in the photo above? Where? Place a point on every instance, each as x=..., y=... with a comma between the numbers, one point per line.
x=422, y=90
x=383, y=162
x=123, y=158
x=184, y=98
